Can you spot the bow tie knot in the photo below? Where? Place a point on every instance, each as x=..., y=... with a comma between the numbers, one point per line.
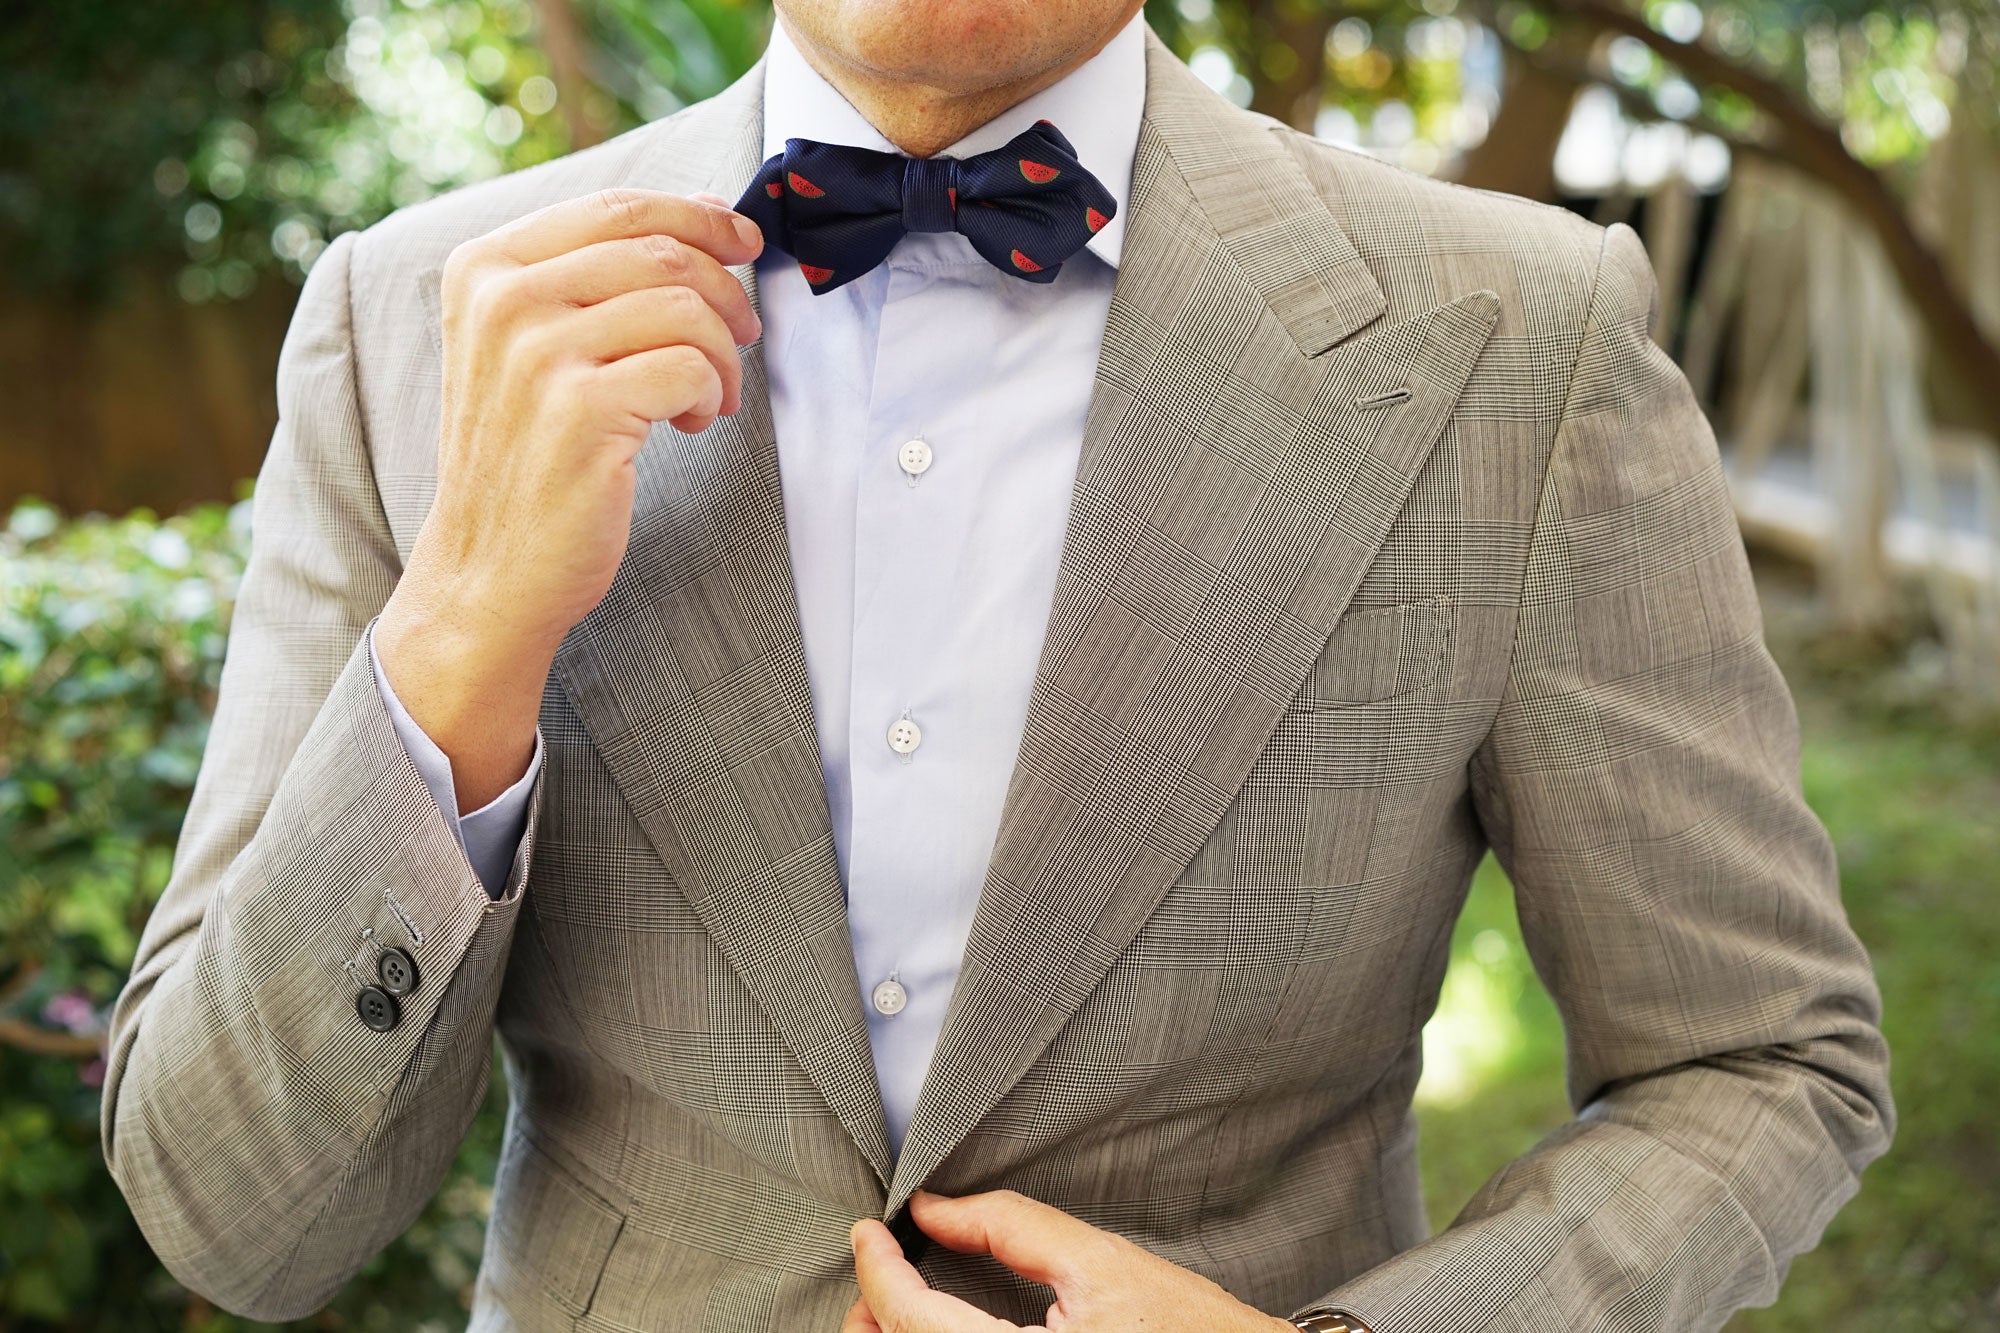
x=930, y=194
x=838, y=210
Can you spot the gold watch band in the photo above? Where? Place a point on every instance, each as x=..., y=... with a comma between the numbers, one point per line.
x=1334, y=1321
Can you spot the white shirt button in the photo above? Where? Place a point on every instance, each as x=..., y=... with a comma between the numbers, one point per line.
x=904, y=736
x=915, y=458
x=890, y=997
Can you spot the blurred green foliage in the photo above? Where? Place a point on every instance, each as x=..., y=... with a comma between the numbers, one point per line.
x=111, y=645
x=231, y=141
x=1419, y=80
x=658, y=55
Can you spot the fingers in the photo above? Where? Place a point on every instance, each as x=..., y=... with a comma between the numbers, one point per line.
x=621, y=213
x=890, y=1285
x=611, y=268
x=651, y=318
x=860, y=1319
x=1040, y=1243
x=675, y=384
x=897, y=1297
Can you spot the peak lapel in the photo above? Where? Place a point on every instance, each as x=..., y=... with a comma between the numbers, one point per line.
x=1244, y=459
x=690, y=677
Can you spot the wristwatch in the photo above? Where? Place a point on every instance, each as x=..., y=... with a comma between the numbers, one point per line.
x=1332, y=1321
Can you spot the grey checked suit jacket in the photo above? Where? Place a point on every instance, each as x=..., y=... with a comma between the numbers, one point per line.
x=1394, y=538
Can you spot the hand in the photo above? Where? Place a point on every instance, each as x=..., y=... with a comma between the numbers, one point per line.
x=1103, y=1282
x=567, y=334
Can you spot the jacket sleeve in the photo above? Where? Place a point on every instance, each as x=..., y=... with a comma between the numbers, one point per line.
x=267, y=1139
x=1678, y=898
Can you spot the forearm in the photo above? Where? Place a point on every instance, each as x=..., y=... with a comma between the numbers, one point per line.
x=1677, y=1200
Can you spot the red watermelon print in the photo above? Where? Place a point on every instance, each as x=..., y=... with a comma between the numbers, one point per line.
x=1095, y=219
x=1025, y=264
x=803, y=186
x=1038, y=172
x=815, y=274
x=952, y=190
x=774, y=189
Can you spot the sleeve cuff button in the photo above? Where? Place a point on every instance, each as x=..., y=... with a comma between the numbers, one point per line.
x=378, y=1008
x=397, y=970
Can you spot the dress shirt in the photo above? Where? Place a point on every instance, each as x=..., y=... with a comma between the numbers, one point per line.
x=929, y=417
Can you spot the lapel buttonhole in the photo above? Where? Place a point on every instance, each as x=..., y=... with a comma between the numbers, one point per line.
x=1383, y=399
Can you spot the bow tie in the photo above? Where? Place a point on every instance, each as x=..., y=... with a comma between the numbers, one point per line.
x=1025, y=207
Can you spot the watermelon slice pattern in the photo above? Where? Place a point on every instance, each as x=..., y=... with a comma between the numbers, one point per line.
x=838, y=210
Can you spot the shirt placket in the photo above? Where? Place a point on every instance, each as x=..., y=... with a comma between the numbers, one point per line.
x=905, y=727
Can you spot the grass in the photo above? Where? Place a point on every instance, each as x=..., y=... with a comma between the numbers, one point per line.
x=1912, y=800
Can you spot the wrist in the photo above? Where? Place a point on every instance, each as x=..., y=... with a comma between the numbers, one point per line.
x=473, y=688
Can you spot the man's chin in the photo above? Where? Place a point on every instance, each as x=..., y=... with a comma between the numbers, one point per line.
x=959, y=47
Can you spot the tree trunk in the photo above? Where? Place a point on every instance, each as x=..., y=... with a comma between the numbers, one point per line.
x=1814, y=146
x=562, y=42
x=1295, y=92
x=1518, y=155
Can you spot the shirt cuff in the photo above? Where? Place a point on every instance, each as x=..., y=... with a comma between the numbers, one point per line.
x=490, y=835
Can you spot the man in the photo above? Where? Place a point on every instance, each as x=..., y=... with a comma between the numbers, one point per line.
x=1019, y=731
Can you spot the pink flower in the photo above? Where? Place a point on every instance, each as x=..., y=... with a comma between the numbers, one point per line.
x=71, y=1010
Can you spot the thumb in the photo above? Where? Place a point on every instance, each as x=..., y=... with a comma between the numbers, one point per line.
x=896, y=1295
x=1041, y=1243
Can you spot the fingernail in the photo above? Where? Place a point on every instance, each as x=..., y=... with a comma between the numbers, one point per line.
x=747, y=229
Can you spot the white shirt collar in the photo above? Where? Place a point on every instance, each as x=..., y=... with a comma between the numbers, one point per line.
x=1097, y=106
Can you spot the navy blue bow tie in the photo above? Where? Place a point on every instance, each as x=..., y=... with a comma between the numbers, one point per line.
x=1025, y=207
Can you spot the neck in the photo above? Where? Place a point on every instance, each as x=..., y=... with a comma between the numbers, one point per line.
x=922, y=119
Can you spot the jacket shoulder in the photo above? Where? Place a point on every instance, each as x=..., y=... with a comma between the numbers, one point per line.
x=1430, y=241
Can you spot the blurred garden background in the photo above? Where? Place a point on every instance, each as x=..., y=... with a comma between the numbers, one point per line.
x=1818, y=184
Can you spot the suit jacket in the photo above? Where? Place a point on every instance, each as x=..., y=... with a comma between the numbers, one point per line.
x=1394, y=539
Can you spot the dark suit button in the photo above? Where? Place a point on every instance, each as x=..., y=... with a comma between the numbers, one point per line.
x=914, y=1240
x=377, y=1008
x=398, y=971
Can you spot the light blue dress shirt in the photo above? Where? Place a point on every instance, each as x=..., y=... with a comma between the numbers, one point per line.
x=929, y=417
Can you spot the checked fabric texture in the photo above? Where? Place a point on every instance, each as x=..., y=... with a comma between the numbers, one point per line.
x=1394, y=539
x=1025, y=206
